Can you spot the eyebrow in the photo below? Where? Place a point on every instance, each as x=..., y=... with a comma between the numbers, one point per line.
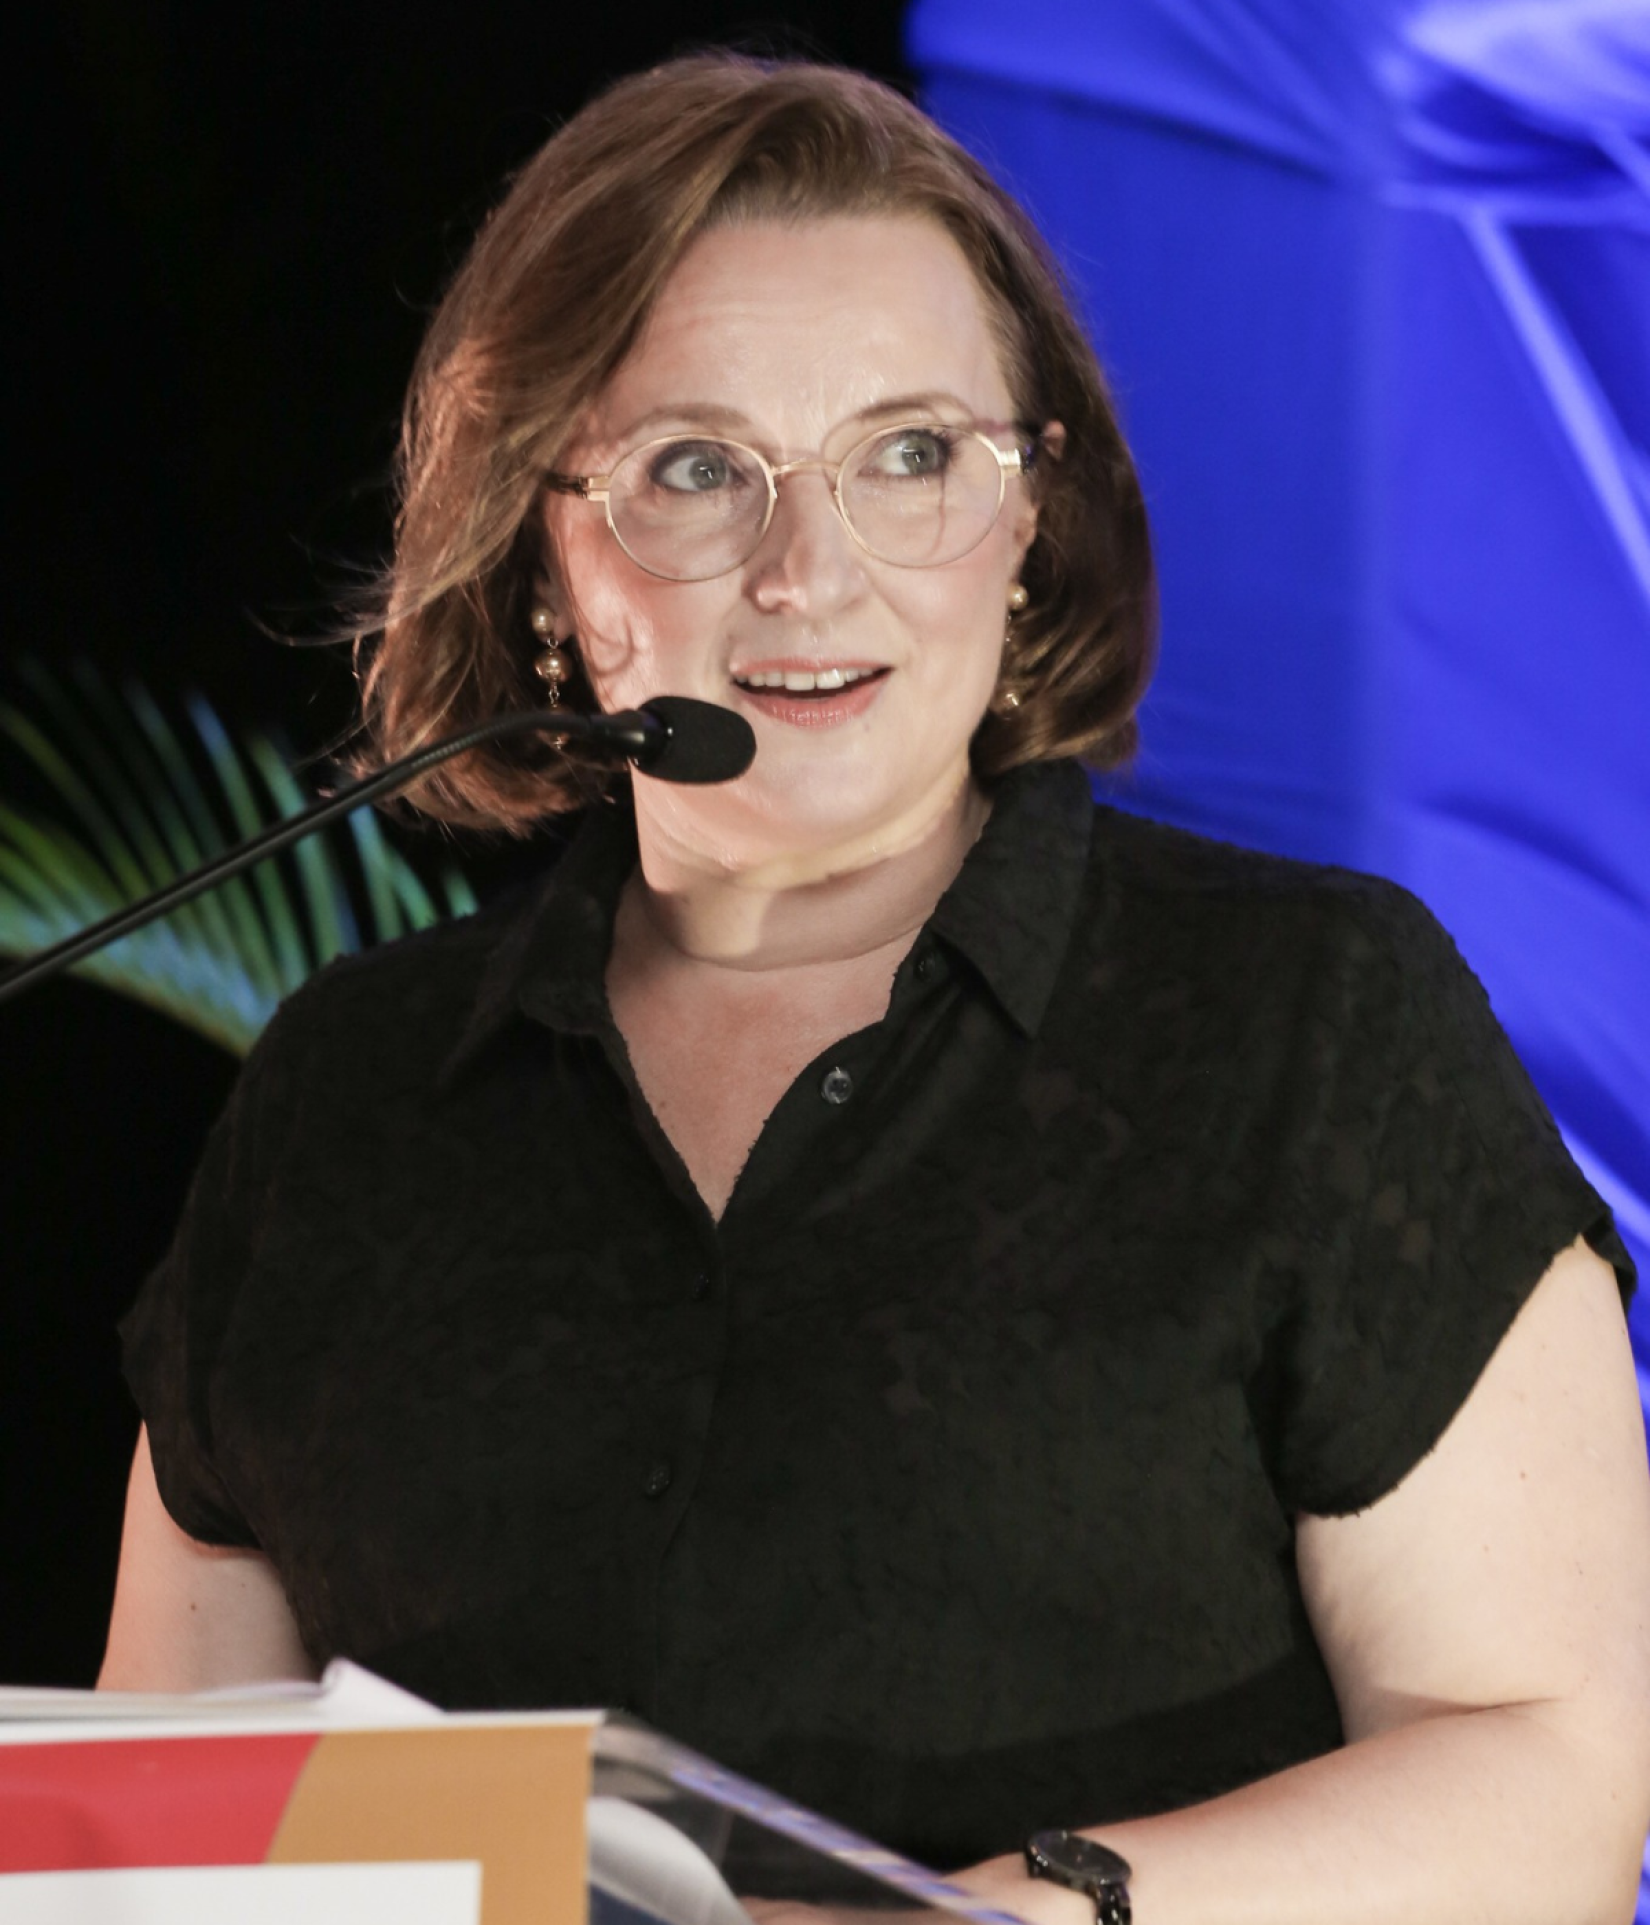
x=725, y=420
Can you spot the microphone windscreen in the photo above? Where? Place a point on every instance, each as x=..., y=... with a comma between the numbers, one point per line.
x=705, y=743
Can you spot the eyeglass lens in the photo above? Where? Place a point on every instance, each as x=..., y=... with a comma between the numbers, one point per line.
x=694, y=507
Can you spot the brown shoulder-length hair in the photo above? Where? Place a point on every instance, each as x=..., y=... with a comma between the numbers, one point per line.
x=555, y=292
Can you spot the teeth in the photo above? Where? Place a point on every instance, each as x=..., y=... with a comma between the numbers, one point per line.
x=800, y=681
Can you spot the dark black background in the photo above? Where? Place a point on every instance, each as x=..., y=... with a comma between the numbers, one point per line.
x=229, y=224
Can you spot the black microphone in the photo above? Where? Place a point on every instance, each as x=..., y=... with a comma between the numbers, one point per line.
x=672, y=738
x=687, y=741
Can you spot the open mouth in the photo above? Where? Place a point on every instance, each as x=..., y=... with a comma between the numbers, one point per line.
x=804, y=683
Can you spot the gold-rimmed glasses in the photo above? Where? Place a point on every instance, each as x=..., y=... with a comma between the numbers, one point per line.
x=689, y=507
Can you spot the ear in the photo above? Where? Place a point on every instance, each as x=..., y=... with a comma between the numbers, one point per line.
x=1051, y=447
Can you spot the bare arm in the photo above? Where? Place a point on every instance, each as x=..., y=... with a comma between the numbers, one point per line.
x=190, y=1616
x=1487, y=1628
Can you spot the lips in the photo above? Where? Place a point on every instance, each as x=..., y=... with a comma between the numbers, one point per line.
x=811, y=697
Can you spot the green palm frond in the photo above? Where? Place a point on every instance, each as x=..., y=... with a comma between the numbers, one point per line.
x=133, y=802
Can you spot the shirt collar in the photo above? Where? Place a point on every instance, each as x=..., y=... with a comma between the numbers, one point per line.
x=1011, y=909
x=1009, y=912
x=551, y=962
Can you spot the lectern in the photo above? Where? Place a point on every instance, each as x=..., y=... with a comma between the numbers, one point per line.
x=351, y=1803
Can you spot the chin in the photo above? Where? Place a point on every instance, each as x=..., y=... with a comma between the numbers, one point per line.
x=825, y=809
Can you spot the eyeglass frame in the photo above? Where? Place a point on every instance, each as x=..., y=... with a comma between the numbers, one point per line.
x=1018, y=460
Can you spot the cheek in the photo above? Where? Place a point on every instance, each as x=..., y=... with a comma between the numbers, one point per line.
x=610, y=607
x=641, y=637
x=611, y=641
x=962, y=611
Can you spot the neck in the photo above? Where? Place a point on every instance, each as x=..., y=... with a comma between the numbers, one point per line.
x=794, y=909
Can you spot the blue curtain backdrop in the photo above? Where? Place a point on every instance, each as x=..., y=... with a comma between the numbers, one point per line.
x=1373, y=285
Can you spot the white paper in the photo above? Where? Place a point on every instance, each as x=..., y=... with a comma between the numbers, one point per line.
x=345, y=1697
x=444, y=1892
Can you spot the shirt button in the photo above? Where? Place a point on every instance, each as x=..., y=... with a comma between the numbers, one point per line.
x=657, y=1480
x=925, y=968
x=836, y=1086
x=701, y=1286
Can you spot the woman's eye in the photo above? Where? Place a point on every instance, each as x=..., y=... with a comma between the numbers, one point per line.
x=911, y=452
x=693, y=467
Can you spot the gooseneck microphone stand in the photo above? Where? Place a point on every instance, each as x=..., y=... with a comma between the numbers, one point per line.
x=671, y=738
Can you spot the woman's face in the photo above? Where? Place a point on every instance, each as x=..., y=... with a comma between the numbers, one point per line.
x=799, y=341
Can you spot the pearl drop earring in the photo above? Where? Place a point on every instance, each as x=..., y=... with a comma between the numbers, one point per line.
x=552, y=665
x=1007, y=698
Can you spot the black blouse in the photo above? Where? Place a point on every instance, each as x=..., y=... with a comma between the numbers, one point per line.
x=947, y=1483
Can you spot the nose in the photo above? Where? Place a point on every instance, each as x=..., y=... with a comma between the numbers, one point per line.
x=807, y=562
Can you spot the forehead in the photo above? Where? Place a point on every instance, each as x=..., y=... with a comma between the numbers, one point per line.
x=796, y=328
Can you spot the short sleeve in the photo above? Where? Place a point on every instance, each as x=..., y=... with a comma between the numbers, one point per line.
x=1444, y=1192
x=172, y=1335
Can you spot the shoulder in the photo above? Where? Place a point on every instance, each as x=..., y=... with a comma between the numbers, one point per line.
x=1332, y=1062
x=1342, y=988
x=1168, y=863
x=446, y=957
x=433, y=974
x=1224, y=912
x=395, y=1012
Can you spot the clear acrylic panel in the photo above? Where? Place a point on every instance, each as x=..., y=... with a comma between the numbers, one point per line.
x=676, y=1840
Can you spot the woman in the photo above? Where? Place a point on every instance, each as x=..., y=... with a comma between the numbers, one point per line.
x=981, y=1312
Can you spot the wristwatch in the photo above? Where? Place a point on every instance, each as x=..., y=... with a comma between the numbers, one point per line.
x=1083, y=1865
